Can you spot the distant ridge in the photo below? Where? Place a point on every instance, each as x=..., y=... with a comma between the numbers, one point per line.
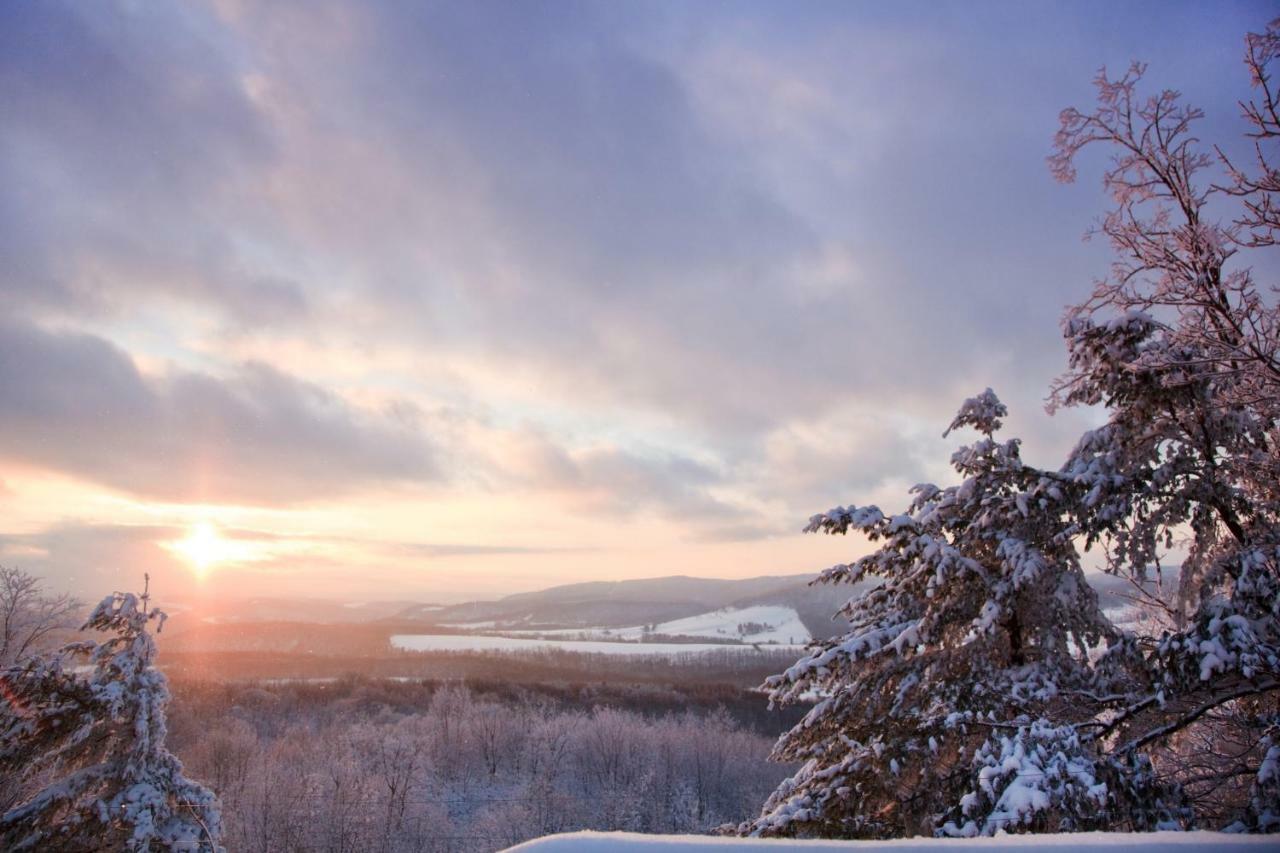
x=618, y=604
x=590, y=606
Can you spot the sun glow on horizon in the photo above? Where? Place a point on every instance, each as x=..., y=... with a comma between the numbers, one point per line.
x=204, y=548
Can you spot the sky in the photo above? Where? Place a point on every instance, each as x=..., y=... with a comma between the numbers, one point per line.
x=442, y=301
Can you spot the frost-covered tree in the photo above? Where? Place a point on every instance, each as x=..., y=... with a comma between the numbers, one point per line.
x=1182, y=348
x=952, y=703
x=979, y=687
x=30, y=616
x=90, y=746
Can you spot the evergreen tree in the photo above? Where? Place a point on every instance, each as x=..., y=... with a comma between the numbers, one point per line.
x=952, y=704
x=92, y=746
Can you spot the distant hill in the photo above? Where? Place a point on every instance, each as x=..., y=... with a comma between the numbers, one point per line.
x=618, y=604
x=816, y=605
x=1116, y=592
x=595, y=605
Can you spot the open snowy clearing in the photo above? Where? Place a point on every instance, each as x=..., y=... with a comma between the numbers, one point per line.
x=476, y=643
x=1111, y=842
x=766, y=623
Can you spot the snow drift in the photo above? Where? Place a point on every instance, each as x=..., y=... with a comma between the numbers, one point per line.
x=1108, y=842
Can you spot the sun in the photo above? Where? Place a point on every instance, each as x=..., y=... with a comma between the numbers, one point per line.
x=204, y=548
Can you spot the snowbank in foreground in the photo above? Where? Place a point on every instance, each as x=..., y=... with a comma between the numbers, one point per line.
x=1109, y=842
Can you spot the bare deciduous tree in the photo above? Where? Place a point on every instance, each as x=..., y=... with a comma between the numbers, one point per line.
x=29, y=615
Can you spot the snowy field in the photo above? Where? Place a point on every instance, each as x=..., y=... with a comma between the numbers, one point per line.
x=1131, y=618
x=476, y=643
x=760, y=624
x=1085, y=842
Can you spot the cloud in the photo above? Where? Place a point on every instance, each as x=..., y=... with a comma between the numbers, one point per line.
x=442, y=550
x=725, y=225
x=848, y=456
x=130, y=161
x=615, y=481
x=78, y=404
x=728, y=269
x=571, y=192
x=94, y=558
x=526, y=186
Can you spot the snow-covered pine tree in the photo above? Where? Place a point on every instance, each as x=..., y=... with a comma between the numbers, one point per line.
x=91, y=746
x=952, y=704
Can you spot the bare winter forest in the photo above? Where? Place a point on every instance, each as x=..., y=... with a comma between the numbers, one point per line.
x=358, y=765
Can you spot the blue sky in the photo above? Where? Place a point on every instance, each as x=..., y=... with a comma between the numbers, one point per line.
x=453, y=299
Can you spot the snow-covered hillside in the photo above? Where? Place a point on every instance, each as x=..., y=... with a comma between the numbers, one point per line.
x=1084, y=842
x=758, y=624
x=761, y=624
x=1136, y=619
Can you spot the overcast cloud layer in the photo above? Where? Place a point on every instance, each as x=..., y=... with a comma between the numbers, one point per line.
x=710, y=267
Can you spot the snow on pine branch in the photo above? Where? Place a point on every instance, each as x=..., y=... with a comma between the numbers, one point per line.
x=90, y=746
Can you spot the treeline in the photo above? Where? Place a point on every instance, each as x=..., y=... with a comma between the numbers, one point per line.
x=734, y=665
x=366, y=765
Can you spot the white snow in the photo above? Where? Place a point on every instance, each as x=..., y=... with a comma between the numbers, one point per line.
x=1111, y=842
x=1130, y=618
x=784, y=622
x=479, y=643
x=784, y=626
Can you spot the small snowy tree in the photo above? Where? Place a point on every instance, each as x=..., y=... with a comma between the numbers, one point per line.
x=91, y=746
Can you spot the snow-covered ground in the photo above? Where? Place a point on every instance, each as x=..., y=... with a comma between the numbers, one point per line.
x=1084, y=842
x=766, y=623
x=1132, y=618
x=478, y=643
x=780, y=625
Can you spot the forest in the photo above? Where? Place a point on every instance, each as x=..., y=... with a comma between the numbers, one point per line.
x=361, y=764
